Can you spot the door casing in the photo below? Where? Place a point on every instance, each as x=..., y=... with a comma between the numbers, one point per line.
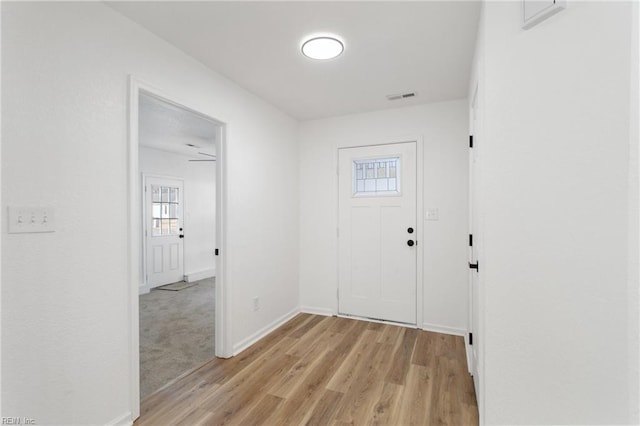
x=223, y=343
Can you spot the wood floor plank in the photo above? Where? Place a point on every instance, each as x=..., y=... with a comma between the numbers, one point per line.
x=402, y=358
x=341, y=325
x=306, y=395
x=364, y=349
x=375, y=326
x=310, y=337
x=326, y=370
x=424, y=351
x=390, y=334
x=387, y=406
x=179, y=404
x=362, y=395
x=261, y=412
x=416, y=397
x=326, y=408
x=308, y=325
x=288, y=383
x=239, y=394
x=196, y=417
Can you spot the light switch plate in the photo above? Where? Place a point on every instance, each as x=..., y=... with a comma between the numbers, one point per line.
x=432, y=214
x=31, y=219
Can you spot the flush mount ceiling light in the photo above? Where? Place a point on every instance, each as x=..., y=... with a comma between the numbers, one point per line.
x=323, y=47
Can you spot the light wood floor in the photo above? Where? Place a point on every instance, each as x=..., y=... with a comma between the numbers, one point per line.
x=326, y=370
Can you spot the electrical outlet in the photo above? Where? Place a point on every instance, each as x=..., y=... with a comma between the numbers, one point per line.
x=31, y=219
x=256, y=303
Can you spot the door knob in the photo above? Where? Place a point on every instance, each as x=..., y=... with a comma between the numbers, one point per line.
x=410, y=230
x=410, y=243
x=180, y=236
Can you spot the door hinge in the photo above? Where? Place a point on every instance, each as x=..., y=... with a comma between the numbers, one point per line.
x=216, y=252
x=470, y=240
x=473, y=266
x=470, y=338
x=470, y=141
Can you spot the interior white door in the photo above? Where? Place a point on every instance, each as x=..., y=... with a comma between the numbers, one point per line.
x=164, y=230
x=377, y=232
x=474, y=267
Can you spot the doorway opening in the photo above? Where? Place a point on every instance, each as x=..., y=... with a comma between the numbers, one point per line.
x=177, y=157
x=176, y=186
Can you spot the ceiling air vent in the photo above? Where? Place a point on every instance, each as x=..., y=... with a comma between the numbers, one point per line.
x=401, y=96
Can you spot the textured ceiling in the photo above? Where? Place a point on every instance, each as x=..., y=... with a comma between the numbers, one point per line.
x=167, y=127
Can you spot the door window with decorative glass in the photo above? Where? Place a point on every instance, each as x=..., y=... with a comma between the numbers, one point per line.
x=164, y=210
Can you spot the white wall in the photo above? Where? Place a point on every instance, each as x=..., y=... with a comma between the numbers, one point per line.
x=444, y=130
x=199, y=205
x=65, y=300
x=554, y=157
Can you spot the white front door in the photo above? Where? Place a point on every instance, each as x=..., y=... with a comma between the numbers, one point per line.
x=163, y=230
x=377, y=232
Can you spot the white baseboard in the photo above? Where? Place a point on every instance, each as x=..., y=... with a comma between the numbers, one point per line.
x=444, y=329
x=123, y=420
x=318, y=311
x=245, y=343
x=143, y=289
x=200, y=275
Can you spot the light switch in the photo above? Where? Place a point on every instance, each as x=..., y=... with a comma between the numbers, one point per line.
x=432, y=214
x=31, y=219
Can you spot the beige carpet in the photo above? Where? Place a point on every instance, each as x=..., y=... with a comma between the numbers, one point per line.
x=176, y=333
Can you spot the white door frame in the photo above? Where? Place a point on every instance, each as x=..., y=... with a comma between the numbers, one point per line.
x=419, y=218
x=223, y=346
x=471, y=361
x=476, y=225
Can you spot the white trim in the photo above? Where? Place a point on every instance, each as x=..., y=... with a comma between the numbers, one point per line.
x=223, y=324
x=420, y=230
x=143, y=289
x=327, y=312
x=1, y=218
x=245, y=343
x=200, y=275
x=133, y=249
x=123, y=420
x=452, y=331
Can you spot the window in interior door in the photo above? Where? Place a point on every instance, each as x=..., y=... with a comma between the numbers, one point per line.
x=380, y=176
x=164, y=210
